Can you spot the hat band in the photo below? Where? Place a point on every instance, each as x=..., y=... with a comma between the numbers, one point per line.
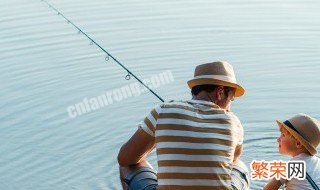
x=219, y=77
x=287, y=123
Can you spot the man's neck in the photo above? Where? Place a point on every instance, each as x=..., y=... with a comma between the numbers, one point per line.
x=202, y=96
x=203, y=99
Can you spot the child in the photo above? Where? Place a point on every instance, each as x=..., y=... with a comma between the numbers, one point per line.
x=300, y=137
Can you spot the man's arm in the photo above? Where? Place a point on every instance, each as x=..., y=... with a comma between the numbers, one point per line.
x=239, y=134
x=237, y=152
x=135, y=150
x=273, y=185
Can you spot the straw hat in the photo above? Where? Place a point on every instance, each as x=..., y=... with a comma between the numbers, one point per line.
x=216, y=73
x=305, y=129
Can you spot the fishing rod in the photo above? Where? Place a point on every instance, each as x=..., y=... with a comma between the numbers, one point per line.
x=80, y=31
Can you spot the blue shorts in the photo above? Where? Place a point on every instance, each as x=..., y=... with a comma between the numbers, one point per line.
x=145, y=178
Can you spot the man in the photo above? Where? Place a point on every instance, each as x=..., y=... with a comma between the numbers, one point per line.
x=198, y=142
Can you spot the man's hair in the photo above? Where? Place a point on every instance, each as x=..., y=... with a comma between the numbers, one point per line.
x=208, y=88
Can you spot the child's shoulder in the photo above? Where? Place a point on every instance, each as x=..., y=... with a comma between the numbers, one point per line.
x=312, y=162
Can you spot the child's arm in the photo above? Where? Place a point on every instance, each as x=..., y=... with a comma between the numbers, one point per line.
x=273, y=185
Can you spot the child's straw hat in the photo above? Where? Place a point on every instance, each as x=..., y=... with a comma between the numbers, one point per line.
x=305, y=129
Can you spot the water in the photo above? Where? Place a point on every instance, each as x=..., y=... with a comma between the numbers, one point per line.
x=46, y=67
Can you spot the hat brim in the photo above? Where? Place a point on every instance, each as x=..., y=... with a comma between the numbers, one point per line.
x=202, y=81
x=305, y=143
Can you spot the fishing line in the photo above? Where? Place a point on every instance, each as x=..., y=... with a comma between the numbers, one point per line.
x=92, y=41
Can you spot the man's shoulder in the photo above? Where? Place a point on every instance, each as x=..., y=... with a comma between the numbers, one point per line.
x=170, y=104
x=233, y=116
x=173, y=103
x=198, y=107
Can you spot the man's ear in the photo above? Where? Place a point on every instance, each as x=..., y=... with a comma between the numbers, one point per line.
x=220, y=93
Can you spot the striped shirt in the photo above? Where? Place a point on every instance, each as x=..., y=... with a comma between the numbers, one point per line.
x=195, y=144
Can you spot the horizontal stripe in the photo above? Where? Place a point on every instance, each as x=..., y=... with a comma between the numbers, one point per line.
x=177, y=133
x=202, y=104
x=230, y=79
x=235, y=137
x=198, y=187
x=192, y=157
x=195, y=114
x=192, y=145
x=149, y=124
x=205, y=102
x=212, y=176
x=152, y=120
x=192, y=151
x=154, y=114
x=196, y=124
x=225, y=165
x=188, y=106
x=144, y=127
x=193, y=182
x=176, y=169
x=194, y=140
x=192, y=128
x=195, y=119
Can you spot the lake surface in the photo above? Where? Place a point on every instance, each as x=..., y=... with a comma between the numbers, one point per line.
x=45, y=67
